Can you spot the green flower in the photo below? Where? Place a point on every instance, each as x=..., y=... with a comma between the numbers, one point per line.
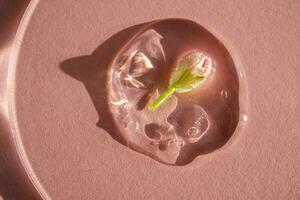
x=189, y=73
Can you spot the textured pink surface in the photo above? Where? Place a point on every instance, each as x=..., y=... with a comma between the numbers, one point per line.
x=74, y=159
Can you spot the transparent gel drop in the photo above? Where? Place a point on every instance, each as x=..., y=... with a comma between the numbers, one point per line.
x=186, y=124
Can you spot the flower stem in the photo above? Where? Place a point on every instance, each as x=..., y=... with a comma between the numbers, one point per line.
x=157, y=102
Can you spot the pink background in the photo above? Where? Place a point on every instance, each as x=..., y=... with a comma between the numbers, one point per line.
x=71, y=158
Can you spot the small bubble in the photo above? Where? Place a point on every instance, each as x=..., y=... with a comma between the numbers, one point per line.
x=169, y=142
x=177, y=142
x=224, y=94
x=244, y=118
x=201, y=117
x=197, y=122
x=135, y=125
x=192, y=131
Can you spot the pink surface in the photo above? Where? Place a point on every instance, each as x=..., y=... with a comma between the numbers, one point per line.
x=72, y=158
